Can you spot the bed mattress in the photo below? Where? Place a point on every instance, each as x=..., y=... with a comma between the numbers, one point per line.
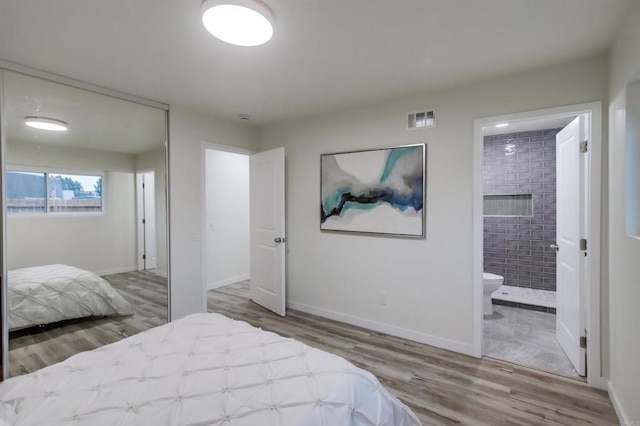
x=51, y=293
x=204, y=369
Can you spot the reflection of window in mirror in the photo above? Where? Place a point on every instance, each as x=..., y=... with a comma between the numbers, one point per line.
x=50, y=192
x=632, y=158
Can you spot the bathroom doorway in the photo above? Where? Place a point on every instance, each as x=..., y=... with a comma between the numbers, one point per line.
x=519, y=186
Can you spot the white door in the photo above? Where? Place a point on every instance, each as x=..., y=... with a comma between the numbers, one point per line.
x=151, y=250
x=267, y=230
x=570, y=314
x=148, y=257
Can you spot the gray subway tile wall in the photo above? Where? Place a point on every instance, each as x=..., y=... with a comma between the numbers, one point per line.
x=517, y=247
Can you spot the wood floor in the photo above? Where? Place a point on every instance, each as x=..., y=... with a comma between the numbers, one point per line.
x=441, y=387
x=36, y=347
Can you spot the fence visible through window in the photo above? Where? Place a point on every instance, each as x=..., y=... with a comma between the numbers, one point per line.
x=42, y=192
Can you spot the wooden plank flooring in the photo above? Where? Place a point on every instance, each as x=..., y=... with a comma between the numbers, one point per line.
x=441, y=387
x=36, y=347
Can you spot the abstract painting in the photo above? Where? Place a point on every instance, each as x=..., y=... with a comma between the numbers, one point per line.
x=377, y=191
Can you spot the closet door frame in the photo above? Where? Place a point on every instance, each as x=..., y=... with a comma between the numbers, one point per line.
x=14, y=67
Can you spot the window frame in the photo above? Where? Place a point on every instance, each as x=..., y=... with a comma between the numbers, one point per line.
x=47, y=171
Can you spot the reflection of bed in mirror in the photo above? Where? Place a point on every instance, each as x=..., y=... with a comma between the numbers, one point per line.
x=203, y=369
x=52, y=293
x=34, y=348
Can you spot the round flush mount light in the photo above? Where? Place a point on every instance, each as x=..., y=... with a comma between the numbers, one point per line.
x=238, y=22
x=45, y=123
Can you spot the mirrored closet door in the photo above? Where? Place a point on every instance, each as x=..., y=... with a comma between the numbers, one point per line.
x=85, y=219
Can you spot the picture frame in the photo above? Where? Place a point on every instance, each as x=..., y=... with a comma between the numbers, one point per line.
x=375, y=191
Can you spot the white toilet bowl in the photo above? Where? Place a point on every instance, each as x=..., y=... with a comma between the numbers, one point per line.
x=491, y=282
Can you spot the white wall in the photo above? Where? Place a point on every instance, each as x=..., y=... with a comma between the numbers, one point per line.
x=99, y=243
x=156, y=161
x=624, y=268
x=429, y=282
x=187, y=130
x=227, y=218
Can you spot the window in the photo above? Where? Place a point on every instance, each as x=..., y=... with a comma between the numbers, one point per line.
x=26, y=192
x=48, y=192
x=508, y=205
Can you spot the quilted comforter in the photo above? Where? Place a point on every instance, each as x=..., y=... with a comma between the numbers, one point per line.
x=204, y=369
x=51, y=293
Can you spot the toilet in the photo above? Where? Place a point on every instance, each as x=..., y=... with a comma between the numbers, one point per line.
x=490, y=283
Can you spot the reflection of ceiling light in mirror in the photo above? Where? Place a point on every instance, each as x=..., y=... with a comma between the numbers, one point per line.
x=45, y=123
x=239, y=22
x=502, y=125
x=509, y=148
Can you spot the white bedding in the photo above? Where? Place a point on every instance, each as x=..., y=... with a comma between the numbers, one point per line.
x=204, y=369
x=51, y=293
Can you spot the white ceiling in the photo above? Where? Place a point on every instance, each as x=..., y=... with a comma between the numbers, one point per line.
x=325, y=54
x=94, y=121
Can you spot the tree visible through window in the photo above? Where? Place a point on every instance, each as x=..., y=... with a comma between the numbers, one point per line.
x=98, y=186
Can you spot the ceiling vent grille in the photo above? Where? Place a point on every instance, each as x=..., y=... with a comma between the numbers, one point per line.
x=424, y=119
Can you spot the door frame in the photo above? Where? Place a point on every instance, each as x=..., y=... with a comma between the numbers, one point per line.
x=140, y=204
x=592, y=218
x=203, y=196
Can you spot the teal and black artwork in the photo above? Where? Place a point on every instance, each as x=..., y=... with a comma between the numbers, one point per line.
x=380, y=191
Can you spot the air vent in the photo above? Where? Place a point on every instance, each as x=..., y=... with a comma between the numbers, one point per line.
x=424, y=119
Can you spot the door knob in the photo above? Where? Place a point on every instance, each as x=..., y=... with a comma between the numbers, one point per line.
x=555, y=247
x=280, y=240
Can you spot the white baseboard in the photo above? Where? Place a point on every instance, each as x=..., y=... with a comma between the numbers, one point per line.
x=116, y=270
x=228, y=281
x=404, y=333
x=160, y=273
x=598, y=382
x=623, y=418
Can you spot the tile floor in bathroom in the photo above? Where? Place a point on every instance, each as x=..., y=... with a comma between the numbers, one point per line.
x=525, y=337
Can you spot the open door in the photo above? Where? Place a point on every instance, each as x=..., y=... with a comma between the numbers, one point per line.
x=147, y=239
x=267, y=230
x=570, y=315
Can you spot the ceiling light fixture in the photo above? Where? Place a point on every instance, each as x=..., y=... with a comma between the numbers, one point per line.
x=502, y=125
x=45, y=123
x=239, y=22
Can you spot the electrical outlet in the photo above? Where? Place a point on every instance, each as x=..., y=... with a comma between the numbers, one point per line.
x=382, y=298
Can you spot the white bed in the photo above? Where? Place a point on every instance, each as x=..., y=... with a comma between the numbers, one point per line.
x=51, y=293
x=204, y=369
